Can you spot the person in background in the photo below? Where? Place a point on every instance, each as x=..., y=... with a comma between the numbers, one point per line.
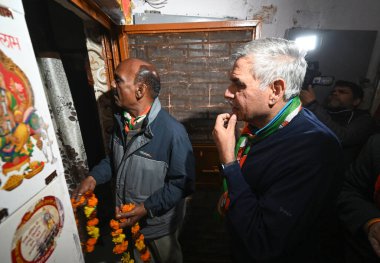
x=359, y=205
x=341, y=114
x=151, y=161
x=284, y=171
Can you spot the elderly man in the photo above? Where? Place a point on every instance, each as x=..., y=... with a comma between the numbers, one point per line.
x=151, y=161
x=283, y=172
x=351, y=125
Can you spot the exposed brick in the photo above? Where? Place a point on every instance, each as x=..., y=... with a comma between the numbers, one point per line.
x=217, y=101
x=199, y=101
x=181, y=101
x=235, y=46
x=189, y=64
x=199, y=89
x=188, y=89
x=208, y=76
x=190, y=37
x=165, y=90
x=209, y=50
x=185, y=115
x=230, y=36
x=219, y=63
x=162, y=64
x=194, y=69
x=174, y=77
x=138, y=52
x=164, y=99
x=167, y=51
x=148, y=39
x=218, y=89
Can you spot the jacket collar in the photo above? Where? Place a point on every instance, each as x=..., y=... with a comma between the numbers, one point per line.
x=156, y=107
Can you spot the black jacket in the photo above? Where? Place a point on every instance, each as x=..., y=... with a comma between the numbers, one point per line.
x=356, y=200
x=352, y=127
x=283, y=195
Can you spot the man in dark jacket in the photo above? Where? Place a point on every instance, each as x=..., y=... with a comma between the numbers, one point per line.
x=282, y=174
x=151, y=161
x=351, y=125
x=359, y=205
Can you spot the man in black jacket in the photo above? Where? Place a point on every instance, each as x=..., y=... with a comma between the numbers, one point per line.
x=341, y=114
x=359, y=205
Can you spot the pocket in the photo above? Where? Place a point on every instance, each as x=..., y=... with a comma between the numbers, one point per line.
x=145, y=176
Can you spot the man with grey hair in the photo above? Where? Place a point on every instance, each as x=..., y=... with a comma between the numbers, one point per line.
x=283, y=173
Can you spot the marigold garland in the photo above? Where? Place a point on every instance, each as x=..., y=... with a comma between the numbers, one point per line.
x=90, y=202
x=121, y=245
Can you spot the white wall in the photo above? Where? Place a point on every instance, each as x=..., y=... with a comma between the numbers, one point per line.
x=279, y=15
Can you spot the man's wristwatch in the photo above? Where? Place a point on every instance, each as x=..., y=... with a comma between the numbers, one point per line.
x=223, y=166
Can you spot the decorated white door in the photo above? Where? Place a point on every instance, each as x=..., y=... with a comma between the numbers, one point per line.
x=36, y=219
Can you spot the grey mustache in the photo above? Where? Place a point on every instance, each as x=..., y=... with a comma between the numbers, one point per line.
x=227, y=101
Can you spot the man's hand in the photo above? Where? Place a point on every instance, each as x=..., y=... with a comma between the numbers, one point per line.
x=307, y=95
x=224, y=137
x=374, y=237
x=132, y=216
x=88, y=184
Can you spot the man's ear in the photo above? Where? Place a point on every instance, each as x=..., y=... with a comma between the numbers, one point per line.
x=356, y=102
x=140, y=91
x=277, y=91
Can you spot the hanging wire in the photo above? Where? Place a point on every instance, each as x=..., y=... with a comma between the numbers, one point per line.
x=157, y=4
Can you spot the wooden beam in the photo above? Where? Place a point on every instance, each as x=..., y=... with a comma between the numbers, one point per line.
x=123, y=45
x=191, y=27
x=92, y=10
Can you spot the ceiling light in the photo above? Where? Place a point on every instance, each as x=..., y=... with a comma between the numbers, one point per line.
x=307, y=42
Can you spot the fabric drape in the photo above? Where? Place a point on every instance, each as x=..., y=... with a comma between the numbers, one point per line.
x=65, y=120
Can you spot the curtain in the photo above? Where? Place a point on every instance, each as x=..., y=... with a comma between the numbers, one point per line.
x=65, y=120
x=98, y=71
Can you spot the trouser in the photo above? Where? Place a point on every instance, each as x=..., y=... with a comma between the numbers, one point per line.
x=166, y=249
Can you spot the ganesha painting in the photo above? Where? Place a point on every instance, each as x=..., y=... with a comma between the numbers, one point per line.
x=21, y=129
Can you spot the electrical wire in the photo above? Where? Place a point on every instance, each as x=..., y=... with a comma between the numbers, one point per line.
x=157, y=4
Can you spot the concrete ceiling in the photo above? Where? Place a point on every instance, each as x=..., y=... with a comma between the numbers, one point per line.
x=112, y=9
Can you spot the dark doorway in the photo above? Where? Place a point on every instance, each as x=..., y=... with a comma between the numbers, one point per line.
x=53, y=28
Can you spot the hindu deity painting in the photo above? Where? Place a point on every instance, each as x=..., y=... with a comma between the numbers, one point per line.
x=22, y=131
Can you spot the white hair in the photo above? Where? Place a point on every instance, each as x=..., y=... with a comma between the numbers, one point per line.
x=275, y=58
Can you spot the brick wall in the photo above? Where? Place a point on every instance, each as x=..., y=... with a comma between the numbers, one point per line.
x=194, y=70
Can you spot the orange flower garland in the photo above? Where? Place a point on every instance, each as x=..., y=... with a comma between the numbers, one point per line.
x=90, y=201
x=121, y=245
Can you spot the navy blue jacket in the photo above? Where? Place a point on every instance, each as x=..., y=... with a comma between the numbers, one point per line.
x=282, y=193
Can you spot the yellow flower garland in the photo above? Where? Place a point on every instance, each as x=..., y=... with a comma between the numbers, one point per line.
x=121, y=245
x=90, y=201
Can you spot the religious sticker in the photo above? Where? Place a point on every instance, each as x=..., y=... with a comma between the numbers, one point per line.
x=29, y=152
x=36, y=235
